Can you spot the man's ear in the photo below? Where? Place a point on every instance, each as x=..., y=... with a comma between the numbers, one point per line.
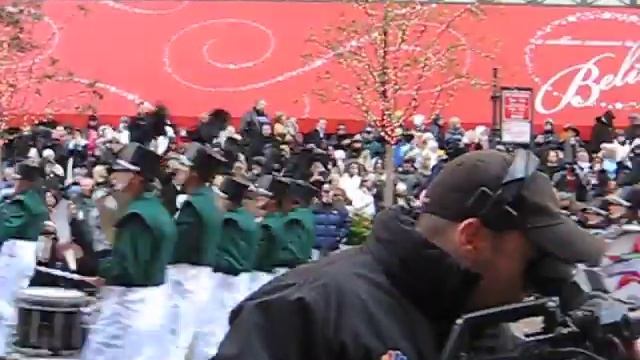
x=471, y=235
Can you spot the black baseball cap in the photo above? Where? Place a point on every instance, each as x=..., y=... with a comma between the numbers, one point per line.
x=539, y=214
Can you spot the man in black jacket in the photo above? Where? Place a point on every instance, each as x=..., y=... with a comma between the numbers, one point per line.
x=318, y=135
x=252, y=121
x=402, y=291
x=602, y=131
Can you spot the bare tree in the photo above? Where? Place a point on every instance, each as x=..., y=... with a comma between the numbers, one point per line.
x=27, y=68
x=394, y=58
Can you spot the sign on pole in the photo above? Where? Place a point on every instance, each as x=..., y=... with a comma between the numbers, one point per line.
x=516, y=115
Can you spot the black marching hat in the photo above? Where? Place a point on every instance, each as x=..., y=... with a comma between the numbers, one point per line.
x=139, y=159
x=203, y=159
x=303, y=191
x=299, y=164
x=299, y=169
x=234, y=189
x=29, y=170
x=231, y=150
x=273, y=185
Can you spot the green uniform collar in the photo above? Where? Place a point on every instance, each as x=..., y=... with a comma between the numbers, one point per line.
x=202, y=190
x=146, y=195
x=273, y=214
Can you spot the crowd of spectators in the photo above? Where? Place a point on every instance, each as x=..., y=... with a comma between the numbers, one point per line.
x=351, y=181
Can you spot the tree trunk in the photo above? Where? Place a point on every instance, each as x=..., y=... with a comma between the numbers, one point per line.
x=389, y=185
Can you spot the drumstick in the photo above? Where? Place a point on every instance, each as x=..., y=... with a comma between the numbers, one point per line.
x=60, y=273
x=70, y=258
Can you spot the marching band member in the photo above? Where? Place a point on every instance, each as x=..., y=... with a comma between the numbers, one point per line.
x=135, y=300
x=274, y=248
x=199, y=223
x=299, y=222
x=236, y=257
x=21, y=222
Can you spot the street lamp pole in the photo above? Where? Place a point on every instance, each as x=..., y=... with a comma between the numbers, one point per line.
x=495, y=103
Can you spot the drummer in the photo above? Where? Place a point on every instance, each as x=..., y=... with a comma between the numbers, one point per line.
x=135, y=300
x=21, y=222
x=199, y=223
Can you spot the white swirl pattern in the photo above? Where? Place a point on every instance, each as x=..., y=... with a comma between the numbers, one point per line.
x=314, y=64
x=135, y=98
x=207, y=46
x=136, y=10
x=307, y=106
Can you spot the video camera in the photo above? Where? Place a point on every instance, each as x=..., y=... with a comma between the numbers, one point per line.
x=596, y=331
x=581, y=322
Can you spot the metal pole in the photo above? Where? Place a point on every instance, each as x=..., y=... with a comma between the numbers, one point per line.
x=495, y=98
x=495, y=109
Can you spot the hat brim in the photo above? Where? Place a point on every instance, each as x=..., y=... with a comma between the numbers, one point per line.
x=262, y=192
x=577, y=245
x=614, y=200
x=121, y=165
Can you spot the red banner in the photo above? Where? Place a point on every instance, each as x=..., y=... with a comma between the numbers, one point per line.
x=198, y=55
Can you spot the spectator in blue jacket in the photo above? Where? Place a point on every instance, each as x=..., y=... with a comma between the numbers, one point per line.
x=402, y=147
x=455, y=134
x=332, y=222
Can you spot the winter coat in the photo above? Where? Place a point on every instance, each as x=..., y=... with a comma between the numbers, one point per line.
x=251, y=123
x=315, y=137
x=332, y=225
x=454, y=137
x=400, y=150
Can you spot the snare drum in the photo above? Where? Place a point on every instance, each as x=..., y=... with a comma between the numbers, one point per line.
x=50, y=321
